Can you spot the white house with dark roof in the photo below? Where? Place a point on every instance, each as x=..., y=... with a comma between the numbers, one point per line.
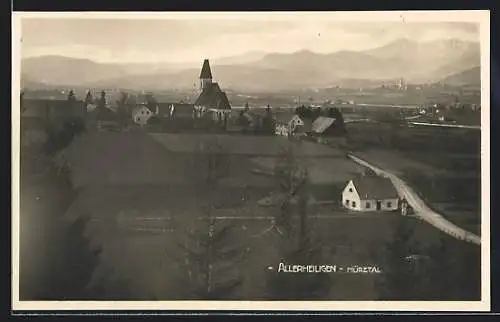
x=292, y=125
x=370, y=193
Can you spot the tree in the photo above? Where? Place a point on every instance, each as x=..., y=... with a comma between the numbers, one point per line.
x=59, y=139
x=71, y=96
x=301, y=111
x=77, y=261
x=208, y=268
x=88, y=98
x=151, y=102
x=102, y=100
x=403, y=278
x=122, y=112
x=209, y=249
x=316, y=113
x=297, y=244
x=290, y=177
x=268, y=121
x=242, y=119
x=122, y=101
x=455, y=270
x=340, y=128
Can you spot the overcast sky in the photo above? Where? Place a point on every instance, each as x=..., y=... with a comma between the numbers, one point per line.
x=189, y=40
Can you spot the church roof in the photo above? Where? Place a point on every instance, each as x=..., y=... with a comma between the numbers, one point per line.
x=205, y=70
x=213, y=97
x=221, y=101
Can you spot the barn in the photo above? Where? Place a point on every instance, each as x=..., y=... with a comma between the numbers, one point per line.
x=370, y=193
x=323, y=126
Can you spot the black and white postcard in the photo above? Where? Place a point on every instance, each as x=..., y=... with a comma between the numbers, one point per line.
x=251, y=160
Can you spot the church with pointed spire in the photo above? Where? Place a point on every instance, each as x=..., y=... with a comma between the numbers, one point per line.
x=212, y=101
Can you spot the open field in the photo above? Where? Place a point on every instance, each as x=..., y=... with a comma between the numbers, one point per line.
x=337, y=170
x=140, y=193
x=395, y=162
x=364, y=136
x=464, y=215
x=153, y=273
x=243, y=145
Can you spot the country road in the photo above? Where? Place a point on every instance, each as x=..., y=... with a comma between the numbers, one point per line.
x=419, y=206
x=457, y=126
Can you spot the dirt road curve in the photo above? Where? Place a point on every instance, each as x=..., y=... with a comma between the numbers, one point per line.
x=419, y=206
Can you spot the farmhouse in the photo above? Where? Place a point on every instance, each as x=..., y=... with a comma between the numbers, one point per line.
x=212, y=99
x=370, y=193
x=292, y=125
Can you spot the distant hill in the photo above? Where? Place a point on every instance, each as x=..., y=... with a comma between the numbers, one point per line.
x=467, y=77
x=59, y=70
x=418, y=62
x=248, y=57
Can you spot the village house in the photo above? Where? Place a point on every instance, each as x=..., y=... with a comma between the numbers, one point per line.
x=141, y=114
x=370, y=193
x=212, y=100
x=292, y=125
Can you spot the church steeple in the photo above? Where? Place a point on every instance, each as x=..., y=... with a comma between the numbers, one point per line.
x=205, y=75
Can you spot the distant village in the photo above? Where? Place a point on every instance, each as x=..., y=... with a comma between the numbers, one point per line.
x=211, y=112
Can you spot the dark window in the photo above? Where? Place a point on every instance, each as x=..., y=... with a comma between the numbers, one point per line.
x=350, y=189
x=347, y=202
x=368, y=205
x=389, y=204
x=354, y=203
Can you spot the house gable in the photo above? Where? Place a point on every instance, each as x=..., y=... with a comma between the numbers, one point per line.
x=296, y=121
x=350, y=196
x=350, y=189
x=142, y=110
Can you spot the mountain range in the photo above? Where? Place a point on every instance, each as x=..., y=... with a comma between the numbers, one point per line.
x=259, y=71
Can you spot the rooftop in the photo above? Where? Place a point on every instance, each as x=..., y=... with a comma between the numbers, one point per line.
x=374, y=187
x=213, y=97
x=205, y=70
x=322, y=123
